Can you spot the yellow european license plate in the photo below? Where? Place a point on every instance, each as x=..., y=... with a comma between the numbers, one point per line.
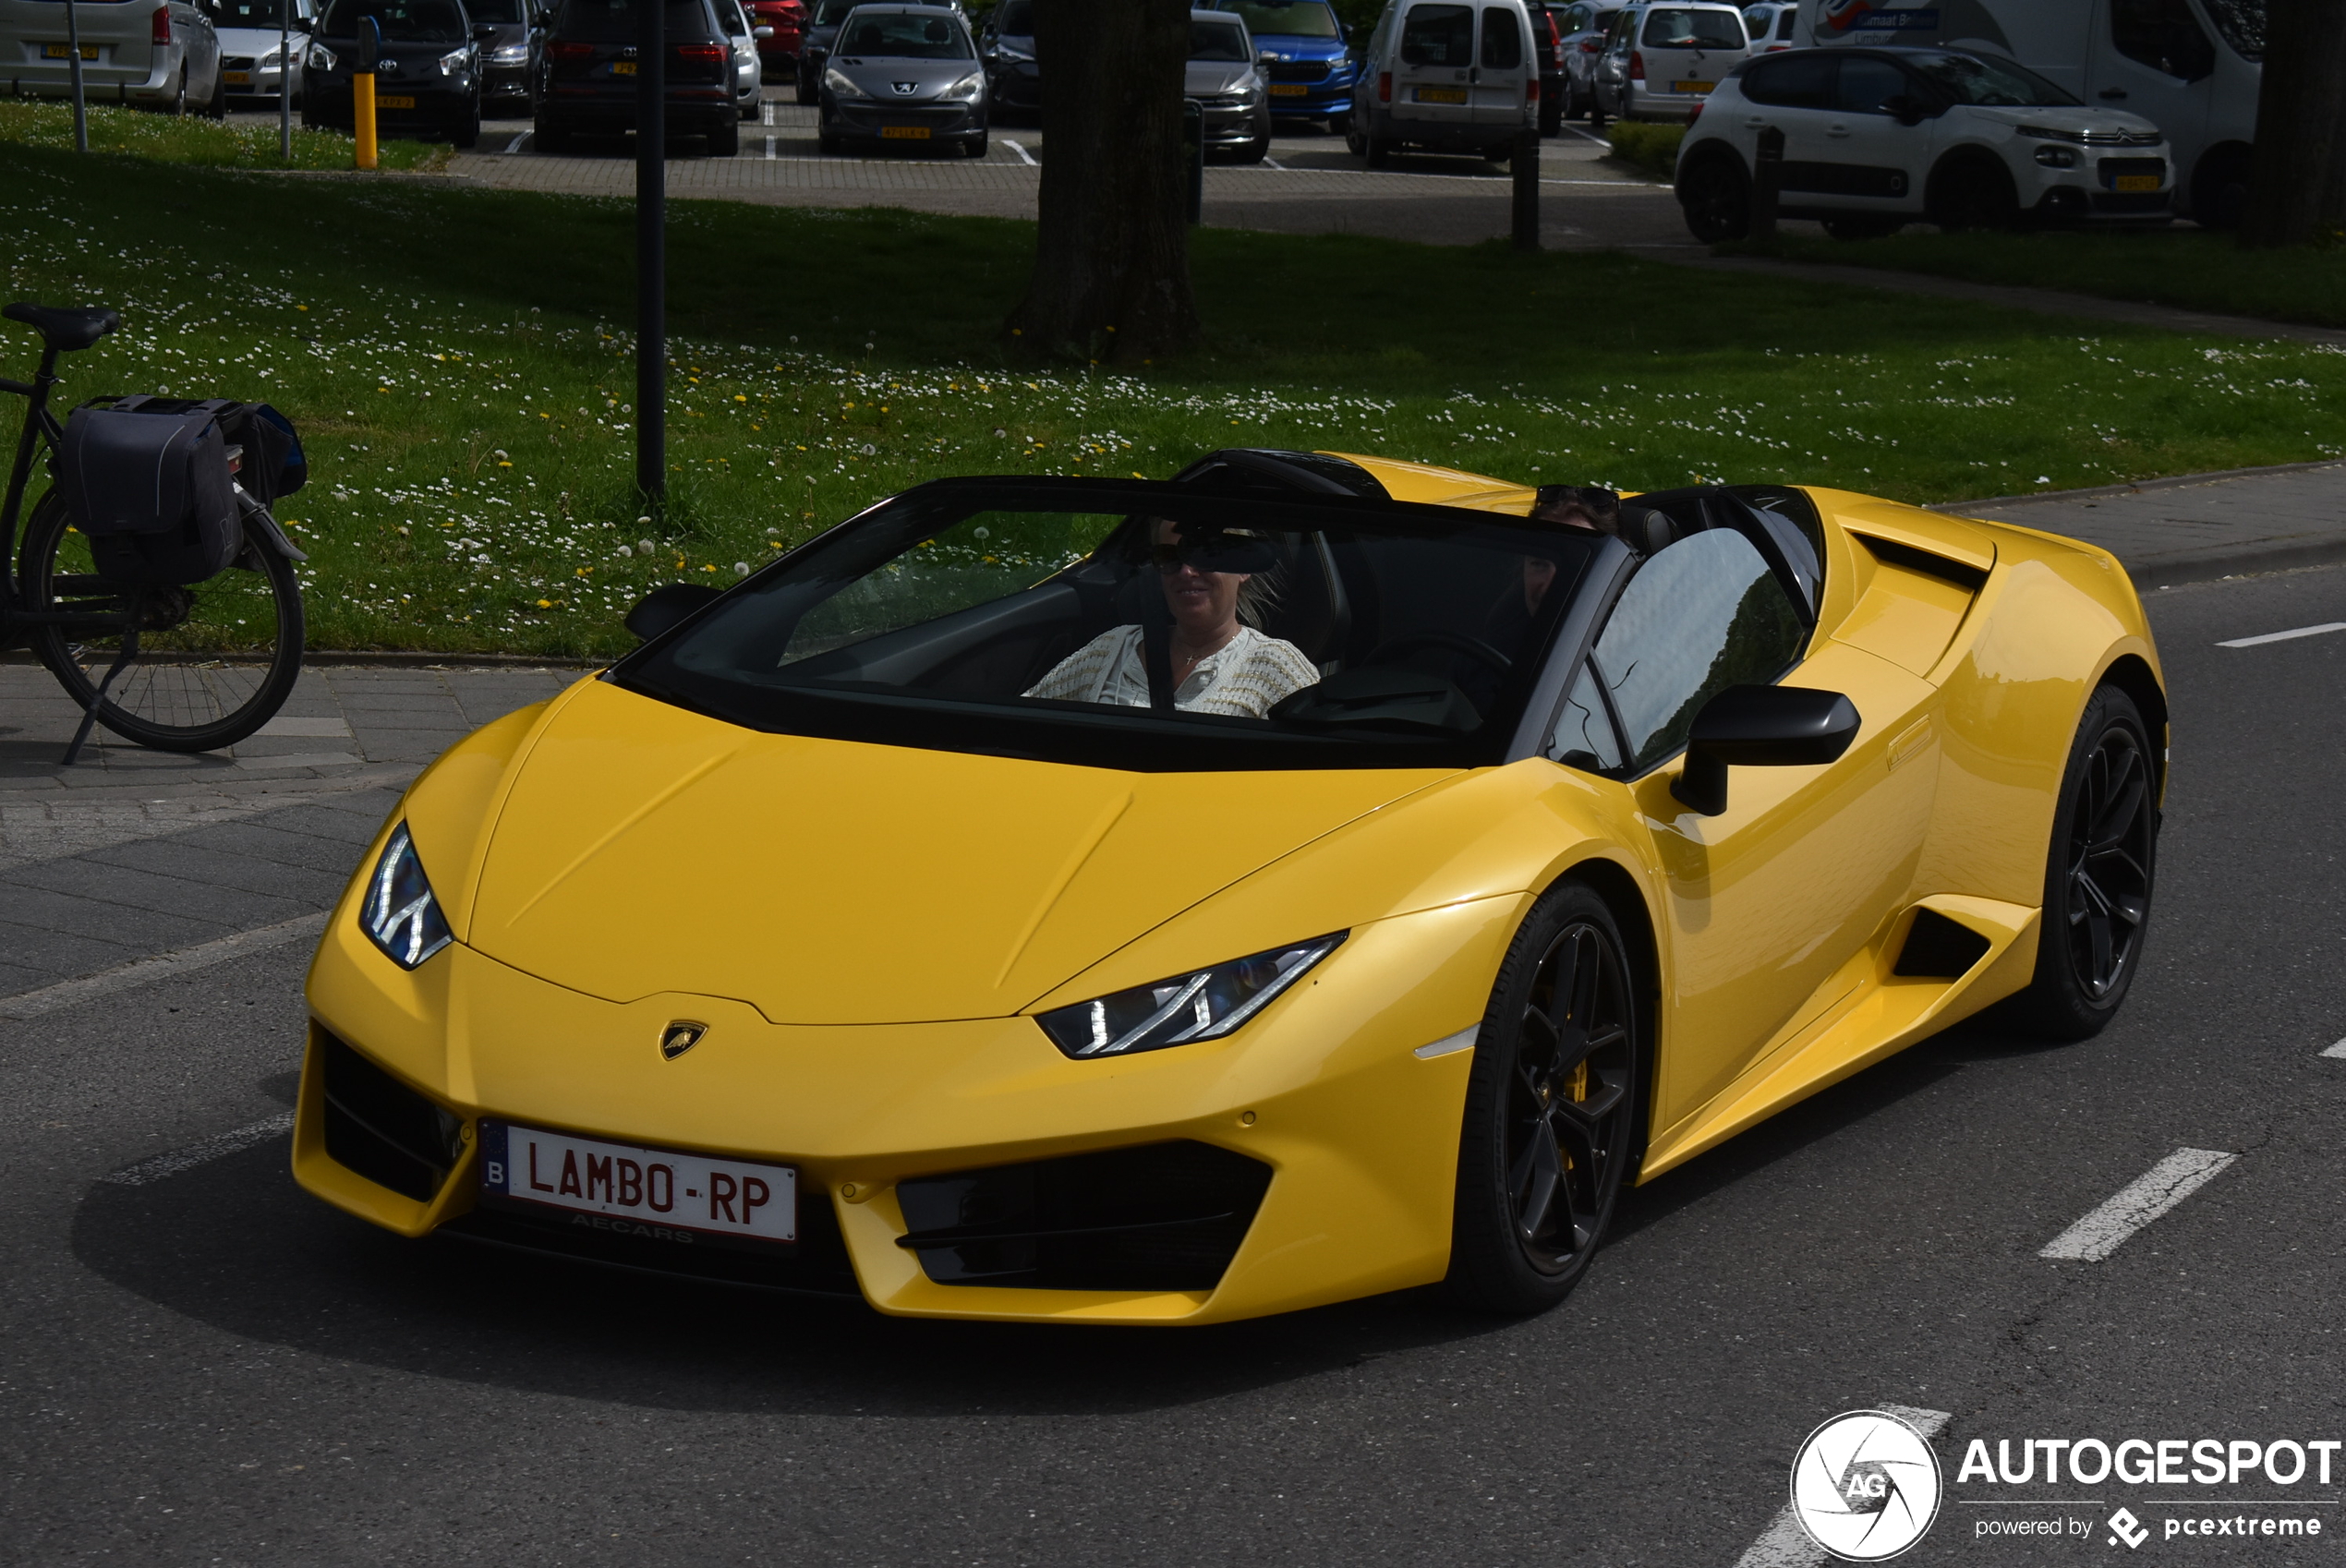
x=1692, y=86
x=623, y=67
x=1288, y=89
x=2136, y=182
x=65, y=52
x=1441, y=95
x=395, y=102
x=904, y=133
x=236, y=78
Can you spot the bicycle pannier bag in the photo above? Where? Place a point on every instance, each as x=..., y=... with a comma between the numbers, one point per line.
x=153, y=493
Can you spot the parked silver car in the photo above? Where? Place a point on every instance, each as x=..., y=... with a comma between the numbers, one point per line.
x=1662, y=61
x=250, y=64
x=903, y=73
x=1229, y=86
x=1583, y=25
x=163, y=56
x=749, y=72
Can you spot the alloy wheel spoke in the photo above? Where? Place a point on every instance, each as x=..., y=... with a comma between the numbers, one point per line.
x=1536, y=1195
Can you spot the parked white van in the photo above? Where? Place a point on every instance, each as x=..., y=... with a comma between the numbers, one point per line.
x=2191, y=67
x=1444, y=76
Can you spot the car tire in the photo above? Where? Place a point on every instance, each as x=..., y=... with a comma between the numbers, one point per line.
x=1356, y=141
x=1253, y=151
x=550, y=136
x=2219, y=189
x=177, y=107
x=1551, y=118
x=2100, y=868
x=725, y=140
x=1972, y=192
x=1862, y=227
x=1341, y=124
x=218, y=107
x=1377, y=151
x=466, y=133
x=1715, y=195
x=1538, y=1183
x=1596, y=111
x=975, y=149
x=804, y=92
x=826, y=144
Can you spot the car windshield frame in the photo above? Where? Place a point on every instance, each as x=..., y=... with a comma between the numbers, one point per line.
x=1232, y=36
x=1128, y=739
x=954, y=45
x=2048, y=95
x=1728, y=16
x=341, y=20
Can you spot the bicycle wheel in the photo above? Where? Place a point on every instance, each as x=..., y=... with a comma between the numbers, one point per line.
x=213, y=662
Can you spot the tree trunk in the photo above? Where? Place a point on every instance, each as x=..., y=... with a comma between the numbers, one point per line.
x=2298, y=192
x=1111, y=247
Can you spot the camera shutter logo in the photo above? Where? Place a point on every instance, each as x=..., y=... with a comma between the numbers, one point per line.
x=1865, y=1486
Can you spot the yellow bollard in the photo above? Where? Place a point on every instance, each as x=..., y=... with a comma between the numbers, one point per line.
x=362, y=107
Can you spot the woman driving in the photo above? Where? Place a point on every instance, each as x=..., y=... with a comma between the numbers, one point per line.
x=1220, y=664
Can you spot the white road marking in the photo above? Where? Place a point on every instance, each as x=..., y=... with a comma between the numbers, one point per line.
x=770, y=149
x=2337, y=1049
x=195, y=1154
x=514, y=146
x=2156, y=1190
x=1462, y=1041
x=766, y=113
x=1785, y=1544
x=1271, y=162
x=2284, y=636
x=162, y=966
x=1024, y=156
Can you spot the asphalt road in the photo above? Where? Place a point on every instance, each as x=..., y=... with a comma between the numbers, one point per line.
x=211, y=1368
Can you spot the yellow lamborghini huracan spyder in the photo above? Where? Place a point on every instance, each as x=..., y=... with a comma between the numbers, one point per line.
x=1157, y=902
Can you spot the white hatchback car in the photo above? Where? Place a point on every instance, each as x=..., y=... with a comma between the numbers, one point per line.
x=1660, y=62
x=1771, y=24
x=163, y=57
x=1876, y=139
x=248, y=58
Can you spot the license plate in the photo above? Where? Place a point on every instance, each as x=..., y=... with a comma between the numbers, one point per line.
x=395, y=102
x=236, y=78
x=2136, y=182
x=1288, y=89
x=623, y=67
x=1441, y=95
x=904, y=133
x=1692, y=86
x=65, y=52
x=659, y=1189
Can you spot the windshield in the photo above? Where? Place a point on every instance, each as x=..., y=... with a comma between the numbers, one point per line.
x=498, y=10
x=1984, y=79
x=1138, y=625
x=1015, y=19
x=402, y=21
x=1217, y=40
x=1689, y=27
x=2242, y=24
x=613, y=21
x=830, y=13
x=896, y=36
x=253, y=13
x=1288, y=18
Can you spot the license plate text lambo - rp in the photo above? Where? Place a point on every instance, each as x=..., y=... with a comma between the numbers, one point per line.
x=666, y=1186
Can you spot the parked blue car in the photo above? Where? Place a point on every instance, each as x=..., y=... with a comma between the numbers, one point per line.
x=1305, y=55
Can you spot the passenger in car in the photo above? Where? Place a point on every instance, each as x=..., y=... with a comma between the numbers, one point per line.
x=1220, y=664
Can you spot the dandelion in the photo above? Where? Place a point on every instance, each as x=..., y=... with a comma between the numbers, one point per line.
x=627, y=553
x=741, y=569
x=646, y=546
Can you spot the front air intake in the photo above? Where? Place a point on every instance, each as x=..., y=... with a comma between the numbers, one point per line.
x=1165, y=1216
x=382, y=1129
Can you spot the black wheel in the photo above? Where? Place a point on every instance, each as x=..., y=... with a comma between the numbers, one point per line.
x=1341, y=124
x=1972, y=192
x=2220, y=188
x=1862, y=227
x=1379, y=151
x=1552, y=115
x=549, y=136
x=215, y=661
x=2098, y=872
x=974, y=148
x=805, y=92
x=725, y=140
x=826, y=144
x=1253, y=151
x=467, y=132
x=1356, y=141
x=1552, y=1110
x=218, y=107
x=178, y=105
x=1715, y=195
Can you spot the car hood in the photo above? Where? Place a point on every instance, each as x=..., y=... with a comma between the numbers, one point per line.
x=1285, y=46
x=641, y=848
x=2080, y=117
x=1216, y=76
x=901, y=81
x=255, y=39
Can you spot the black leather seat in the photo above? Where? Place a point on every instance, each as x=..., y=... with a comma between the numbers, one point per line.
x=64, y=327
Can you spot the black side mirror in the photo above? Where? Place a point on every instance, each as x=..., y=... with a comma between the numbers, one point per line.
x=663, y=608
x=1904, y=107
x=1760, y=726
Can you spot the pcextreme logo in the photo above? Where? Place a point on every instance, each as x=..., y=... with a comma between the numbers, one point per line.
x=1865, y=1486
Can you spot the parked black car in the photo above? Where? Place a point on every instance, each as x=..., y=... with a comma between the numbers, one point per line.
x=1013, y=81
x=589, y=80
x=427, y=81
x=823, y=17
x=509, y=61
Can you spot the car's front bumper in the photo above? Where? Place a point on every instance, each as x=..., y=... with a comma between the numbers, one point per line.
x=1360, y=1134
x=866, y=120
x=439, y=103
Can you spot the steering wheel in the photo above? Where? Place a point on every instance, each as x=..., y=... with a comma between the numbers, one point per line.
x=1457, y=642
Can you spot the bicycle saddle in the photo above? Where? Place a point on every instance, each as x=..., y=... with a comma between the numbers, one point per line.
x=65, y=327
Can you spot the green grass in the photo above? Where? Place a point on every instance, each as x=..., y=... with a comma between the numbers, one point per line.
x=190, y=138
x=1647, y=146
x=2198, y=271
x=459, y=364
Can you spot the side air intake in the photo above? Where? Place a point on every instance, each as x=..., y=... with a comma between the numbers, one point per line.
x=1939, y=948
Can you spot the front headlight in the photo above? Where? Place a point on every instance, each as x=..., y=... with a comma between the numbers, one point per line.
x=966, y=89
x=837, y=83
x=455, y=61
x=2052, y=132
x=321, y=58
x=401, y=914
x=1205, y=1006
x=512, y=54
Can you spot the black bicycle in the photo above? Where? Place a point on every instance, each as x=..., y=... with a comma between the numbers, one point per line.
x=182, y=645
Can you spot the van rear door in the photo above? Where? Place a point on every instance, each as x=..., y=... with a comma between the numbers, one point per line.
x=1503, y=67
x=1432, y=68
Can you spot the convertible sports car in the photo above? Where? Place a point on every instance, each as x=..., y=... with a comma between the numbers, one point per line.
x=968, y=911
